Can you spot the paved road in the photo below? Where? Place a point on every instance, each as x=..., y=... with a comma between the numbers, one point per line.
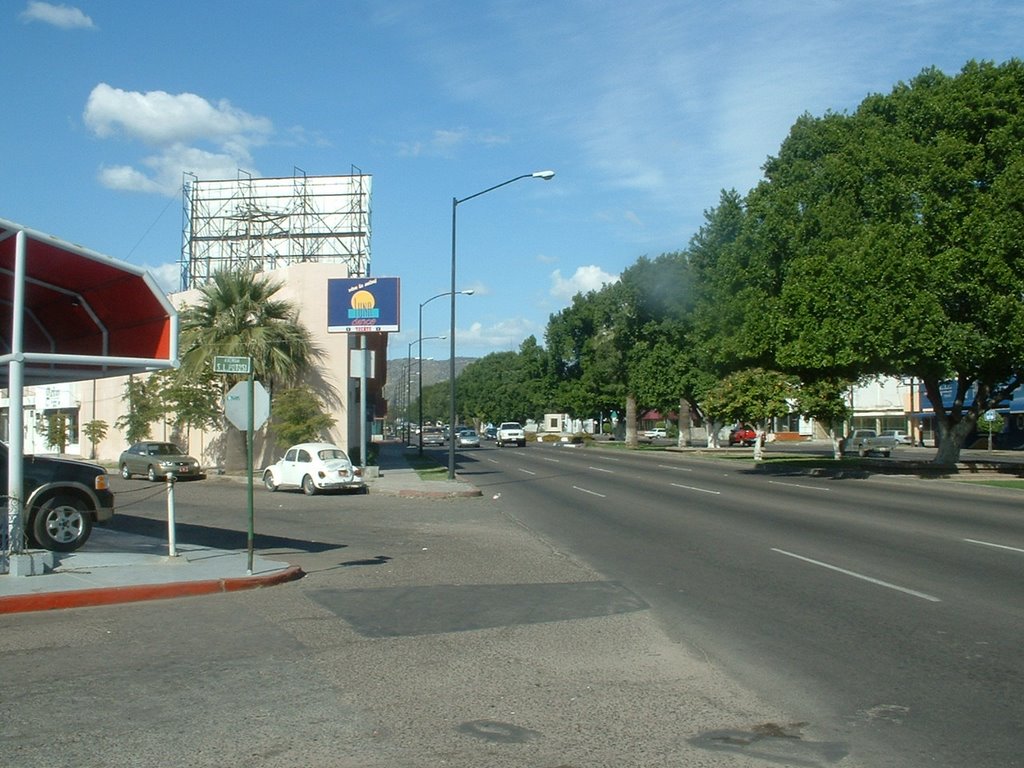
x=426, y=633
x=887, y=610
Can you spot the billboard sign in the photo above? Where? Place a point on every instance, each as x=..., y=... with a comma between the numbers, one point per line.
x=362, y=304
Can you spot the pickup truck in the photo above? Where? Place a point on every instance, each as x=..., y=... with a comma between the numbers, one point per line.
x=510, y=432
x=650, y=434
x=63, y=499
x=865, y=441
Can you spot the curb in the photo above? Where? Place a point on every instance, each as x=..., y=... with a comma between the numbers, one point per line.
x=408, y=493
x=85, y=598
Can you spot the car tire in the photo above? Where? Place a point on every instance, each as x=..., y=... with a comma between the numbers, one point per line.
x=125, y=472
x=151, y=474
x=268, y=482
x=62, y=524
x=308, y=487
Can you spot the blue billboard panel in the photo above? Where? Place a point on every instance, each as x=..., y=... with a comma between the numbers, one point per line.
x=362, y=304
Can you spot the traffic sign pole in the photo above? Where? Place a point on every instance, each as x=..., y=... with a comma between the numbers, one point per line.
x=249, y=448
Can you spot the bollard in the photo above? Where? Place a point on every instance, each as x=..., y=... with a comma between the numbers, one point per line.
x=172, y=547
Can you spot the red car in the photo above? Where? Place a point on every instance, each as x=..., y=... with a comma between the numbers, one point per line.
x=745, y=435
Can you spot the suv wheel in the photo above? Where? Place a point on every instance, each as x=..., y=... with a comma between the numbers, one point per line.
x=125, y=472
x=62, y=524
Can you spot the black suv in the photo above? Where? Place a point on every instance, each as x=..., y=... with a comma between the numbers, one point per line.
x=63, y=499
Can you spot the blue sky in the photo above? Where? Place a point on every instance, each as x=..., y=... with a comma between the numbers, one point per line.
x=645, y=111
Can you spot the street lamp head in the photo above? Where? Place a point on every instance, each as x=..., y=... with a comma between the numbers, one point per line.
x=470, y=292
x=546, y=175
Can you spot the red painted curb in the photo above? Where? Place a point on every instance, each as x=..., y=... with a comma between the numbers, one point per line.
x=85, y=598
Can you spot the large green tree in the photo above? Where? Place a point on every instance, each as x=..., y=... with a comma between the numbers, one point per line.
x=887, y=241
x=588, y=343
x=506, y=386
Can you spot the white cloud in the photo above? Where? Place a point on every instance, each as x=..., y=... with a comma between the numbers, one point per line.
x=167, y=276
x=174, y=124
x=589, y=278
x=63, y=16
x=126, y=178
x=158, y=117
x=445, y=143
x=166, y=170
x=503, y=335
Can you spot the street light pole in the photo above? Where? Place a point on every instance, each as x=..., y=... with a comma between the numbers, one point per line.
x=408, y=384
x=420, y=336
x=546, y=175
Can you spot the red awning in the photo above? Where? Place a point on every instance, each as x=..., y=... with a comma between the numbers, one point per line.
x=82, y=315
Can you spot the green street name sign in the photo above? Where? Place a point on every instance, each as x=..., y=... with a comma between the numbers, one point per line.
x=227, y=364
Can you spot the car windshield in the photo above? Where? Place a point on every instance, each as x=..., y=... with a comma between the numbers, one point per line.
x=332, y=453
x=164, y=449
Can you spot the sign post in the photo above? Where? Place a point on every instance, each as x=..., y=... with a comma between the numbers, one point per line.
x=244, y=391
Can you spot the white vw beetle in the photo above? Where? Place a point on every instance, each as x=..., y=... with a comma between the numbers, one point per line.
x=314, y=467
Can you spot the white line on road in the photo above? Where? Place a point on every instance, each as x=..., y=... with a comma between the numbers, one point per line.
x=555, y=461
x=527, y=471
x=599, y=469
x=692, y=488
x=493, y=461
x=679, y=469
x=592, y=493
x=799, y=485
x=860, y=576
x=996, y=546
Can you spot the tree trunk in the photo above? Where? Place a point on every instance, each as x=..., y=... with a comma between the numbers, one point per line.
x=951, y=438
x=713, y=429
x=631, y=436
x=685, y=422
x=952, y=425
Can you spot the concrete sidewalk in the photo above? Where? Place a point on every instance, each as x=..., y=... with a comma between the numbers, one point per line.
x=121, y=567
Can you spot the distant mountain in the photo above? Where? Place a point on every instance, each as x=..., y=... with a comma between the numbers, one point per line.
x=433, y=372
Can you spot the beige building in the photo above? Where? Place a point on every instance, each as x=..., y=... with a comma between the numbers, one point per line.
x=305, y=286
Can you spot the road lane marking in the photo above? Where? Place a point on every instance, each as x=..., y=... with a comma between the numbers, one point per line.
x=527, y=471
x=799, y=485
x=554, y=461
x=996, y=546
x=693, y=488
x=493, y=461
x=861, y=576
x=678, y=469
x=592, y=493
x=599, y=469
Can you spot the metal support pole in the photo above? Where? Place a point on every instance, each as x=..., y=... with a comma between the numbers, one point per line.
x=172, y=543
x=250, y=419
x=451, y=359
x=362, y=403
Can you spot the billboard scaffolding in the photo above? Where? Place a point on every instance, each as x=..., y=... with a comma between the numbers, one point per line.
x=260, y=225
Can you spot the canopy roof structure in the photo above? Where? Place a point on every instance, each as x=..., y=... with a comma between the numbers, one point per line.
x=70, y=314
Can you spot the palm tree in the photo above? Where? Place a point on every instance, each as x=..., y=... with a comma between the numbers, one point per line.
x=238, y=316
